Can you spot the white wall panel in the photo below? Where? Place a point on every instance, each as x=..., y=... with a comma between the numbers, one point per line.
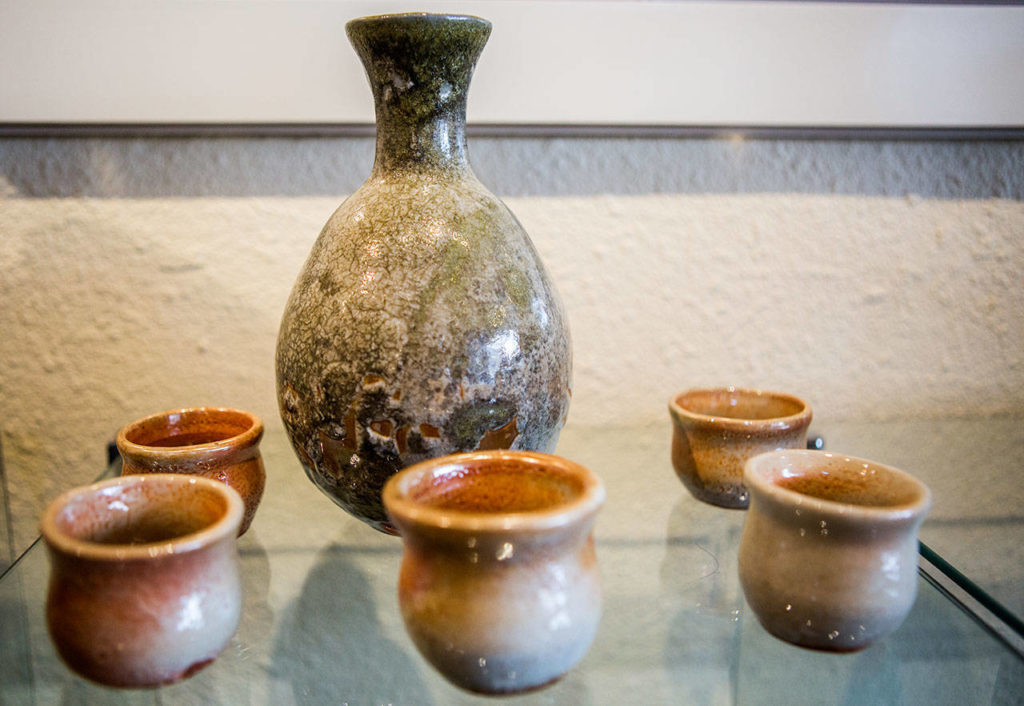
x=559, y=62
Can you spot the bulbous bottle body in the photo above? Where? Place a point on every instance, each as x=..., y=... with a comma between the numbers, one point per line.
x=423, y=322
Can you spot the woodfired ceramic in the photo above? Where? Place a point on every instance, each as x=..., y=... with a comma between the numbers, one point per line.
x=828, y=554
x=144, y=583
x=499, y=585
x=423, y=322
x=213, y=442
x=716, y=430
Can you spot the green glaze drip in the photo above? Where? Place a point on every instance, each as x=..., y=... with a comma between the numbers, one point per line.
x=518, y=287
x=447, y=277
x=419, y=67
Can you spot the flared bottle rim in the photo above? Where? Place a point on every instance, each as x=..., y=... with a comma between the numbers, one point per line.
x=412, y=17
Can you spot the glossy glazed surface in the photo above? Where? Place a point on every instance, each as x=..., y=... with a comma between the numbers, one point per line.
x=828, y=555
x=499, y=586
x=144, y=586
x=213, y=442
x=716, y=430
x=423, y=322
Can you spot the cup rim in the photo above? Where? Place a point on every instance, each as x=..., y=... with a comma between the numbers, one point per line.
x=249, y=437
x=790, y=421
x=756, y=482
x=402, y=508
x=225, y=526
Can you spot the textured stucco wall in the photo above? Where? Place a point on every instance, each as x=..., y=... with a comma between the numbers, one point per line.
x=877, y=279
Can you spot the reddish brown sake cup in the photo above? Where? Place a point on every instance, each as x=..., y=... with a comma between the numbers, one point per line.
x=212, y=442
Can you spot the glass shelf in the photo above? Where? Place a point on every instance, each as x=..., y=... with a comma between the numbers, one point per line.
x=321, y=621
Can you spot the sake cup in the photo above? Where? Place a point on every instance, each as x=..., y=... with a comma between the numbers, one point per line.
x=828, y=553
x=212, y=442
x=716, y=430
x=499, y=586
x=144, y=584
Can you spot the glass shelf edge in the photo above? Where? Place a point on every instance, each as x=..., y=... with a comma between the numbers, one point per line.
x=972, y=599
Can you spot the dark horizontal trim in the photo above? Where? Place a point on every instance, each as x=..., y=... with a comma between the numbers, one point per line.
x=300, y=130
x=968, y=3
x=753, y=132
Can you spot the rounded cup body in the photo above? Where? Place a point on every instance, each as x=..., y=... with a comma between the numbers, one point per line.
x=715, y=431
x=498, y=600
x=144, y=585
x=423, y=322
x=828, y=553
x=212, y=442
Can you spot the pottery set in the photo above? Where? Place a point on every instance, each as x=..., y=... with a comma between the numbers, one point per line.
x=144, y=585
x=423, y=373
x=423, y=322
x=828, y=553
x=213, y=442
x=499, y=586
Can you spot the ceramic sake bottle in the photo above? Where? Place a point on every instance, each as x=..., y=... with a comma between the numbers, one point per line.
x=423, y=322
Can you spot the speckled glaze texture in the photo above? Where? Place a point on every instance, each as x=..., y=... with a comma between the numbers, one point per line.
x=213, y=442
x=423, y=322
x=144, y=585
x=715, y=431
x=828, y=554
x=499, y=585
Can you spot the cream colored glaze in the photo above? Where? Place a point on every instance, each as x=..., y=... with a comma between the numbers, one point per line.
x=825, y=574
x=499, y=600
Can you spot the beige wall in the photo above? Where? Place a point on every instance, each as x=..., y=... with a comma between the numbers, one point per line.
x=878, y=279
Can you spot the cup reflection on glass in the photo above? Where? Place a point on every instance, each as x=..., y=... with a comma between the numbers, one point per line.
x=499, y=586
x=828, y=553
x=144, y=584
x=715, y=431
x=212, y=442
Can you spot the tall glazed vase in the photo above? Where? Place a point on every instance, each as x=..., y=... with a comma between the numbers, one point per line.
x=423, y=322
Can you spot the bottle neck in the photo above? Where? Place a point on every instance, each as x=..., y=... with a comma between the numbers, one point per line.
x=427, y=139
x=419, y=67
